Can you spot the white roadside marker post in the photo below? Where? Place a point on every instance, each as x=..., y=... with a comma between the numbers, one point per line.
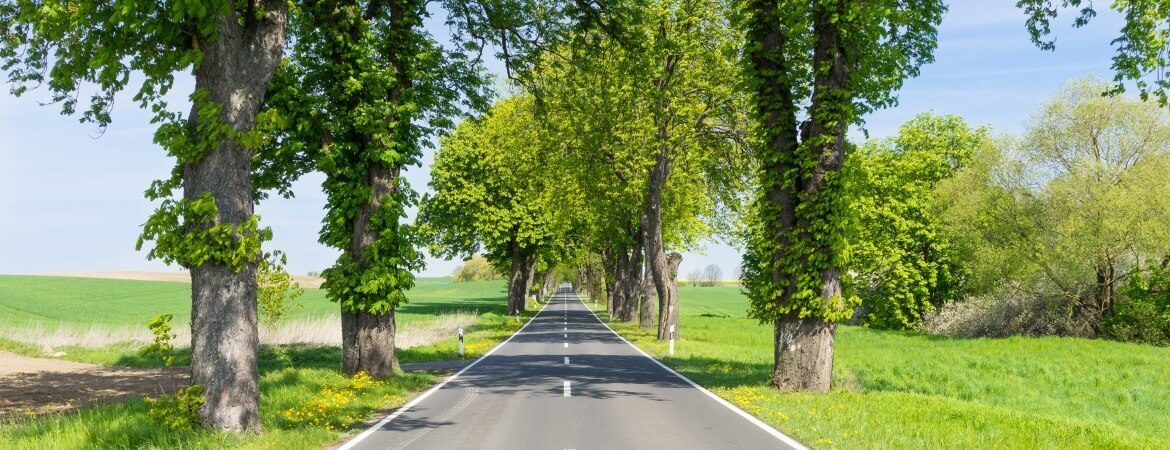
x=460, y=342
x=672, y=340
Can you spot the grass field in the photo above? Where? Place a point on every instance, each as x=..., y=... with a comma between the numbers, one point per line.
x=27, y=300
x=104, y=313
x=906, y=390
x=294, y=378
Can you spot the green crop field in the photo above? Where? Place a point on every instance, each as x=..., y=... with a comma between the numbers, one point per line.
x=27, y=300
x=906, y=390
x=300, y=404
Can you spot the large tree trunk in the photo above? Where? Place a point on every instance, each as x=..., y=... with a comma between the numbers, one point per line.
x=646, y=306
x=803, y=354
x=235, y=70
x=367, y=343
x=621, y=259
x=668, y=311
x=660, y=269
x=804, y=347
x=518, y=283
x=632, y=285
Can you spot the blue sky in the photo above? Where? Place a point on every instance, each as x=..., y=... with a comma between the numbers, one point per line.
x=72, y=201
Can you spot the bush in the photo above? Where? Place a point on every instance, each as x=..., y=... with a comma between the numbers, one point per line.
x=179, y=411
x=1007, y=311
x=476, y=269
x=1142, y=313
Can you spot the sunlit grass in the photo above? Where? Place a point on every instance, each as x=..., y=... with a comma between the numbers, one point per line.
x=292, y=376
x=907, y=390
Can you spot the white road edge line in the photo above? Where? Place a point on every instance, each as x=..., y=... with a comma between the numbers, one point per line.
x=755, y=421
x=352, y=442
x=568, y=390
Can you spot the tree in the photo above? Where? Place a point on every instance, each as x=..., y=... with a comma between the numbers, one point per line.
x=712, y=274
x=653, y=117
x=1074, y=207
x=904, y=264
x=841, y=58
x=492, y=191
x=476, y=269
x=234, y=49
x=1142, y=44
x=366, y=87
x=695, y=276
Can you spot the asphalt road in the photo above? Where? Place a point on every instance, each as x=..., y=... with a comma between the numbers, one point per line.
x=566, y=381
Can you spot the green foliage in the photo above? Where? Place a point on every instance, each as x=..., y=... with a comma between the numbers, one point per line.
x=365, y=88
x=491, y=188
x=799, y=226
x=188, y=232
x=904, y=265
x=1070, y=209
x=668, y=87
x=1142, y=43
x=67, y=46
x=276, y=291
x=476, y=269
x=160, y=327
x=179, y=411
x=1143, y=311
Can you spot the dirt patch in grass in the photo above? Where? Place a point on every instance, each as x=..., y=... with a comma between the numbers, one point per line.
x=40, y=385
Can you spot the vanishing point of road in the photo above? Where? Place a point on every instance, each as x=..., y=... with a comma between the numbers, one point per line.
x=566, y=381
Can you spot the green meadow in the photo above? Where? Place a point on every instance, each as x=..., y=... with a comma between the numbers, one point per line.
x=907, y=390
x=300, y=404
x=92, y=301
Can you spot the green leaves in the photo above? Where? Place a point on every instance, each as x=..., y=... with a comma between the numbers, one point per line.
x=160, y=327
x=904, y=263
x=190, y=233
x=830, y=62
x=1142, y=43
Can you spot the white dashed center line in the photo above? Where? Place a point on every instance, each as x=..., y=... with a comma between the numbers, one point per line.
x=566, y=360
x=566, y=345
x=568, y=391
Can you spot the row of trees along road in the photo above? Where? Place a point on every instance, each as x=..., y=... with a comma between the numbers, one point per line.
x=646, y=105
x=362, y=88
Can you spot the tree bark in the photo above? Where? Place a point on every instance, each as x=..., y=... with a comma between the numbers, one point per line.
x=668, y=306
x=646, y=307
x=367, y=342
x=803, y=354
x=235, y=70
x=632, y=284
x=620, y=272
x=804, y=347
x=518, y=283
x=368, y=345
x=1104, y=295
x=660, y=271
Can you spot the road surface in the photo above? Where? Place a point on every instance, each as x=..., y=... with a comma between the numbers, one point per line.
x=566, y=381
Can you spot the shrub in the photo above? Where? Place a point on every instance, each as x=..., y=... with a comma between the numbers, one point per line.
x=179, y=411
x=276, y=292
x=1143, y=310
x=1006, y=311
x=476, y=269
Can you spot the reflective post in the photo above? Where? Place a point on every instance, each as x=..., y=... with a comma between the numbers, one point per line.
x=672, y=340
